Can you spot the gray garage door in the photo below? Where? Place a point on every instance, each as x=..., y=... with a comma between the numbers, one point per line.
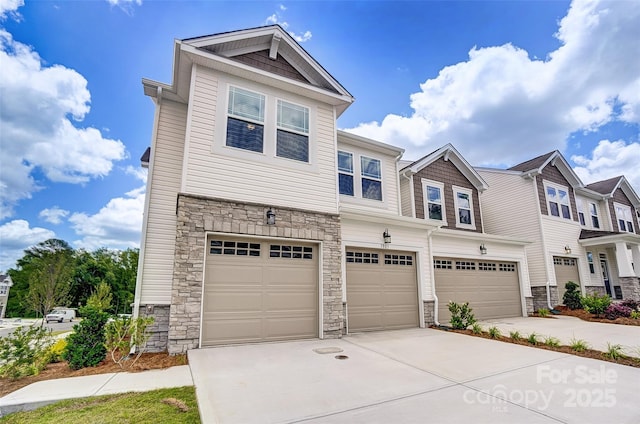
x=566, y=270
x=490, y=287
x=382, y=290
x=258, y=290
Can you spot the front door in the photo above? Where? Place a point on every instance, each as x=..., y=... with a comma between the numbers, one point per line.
x=605, y=275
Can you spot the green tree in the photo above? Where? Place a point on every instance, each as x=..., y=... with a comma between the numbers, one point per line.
x=101, y=298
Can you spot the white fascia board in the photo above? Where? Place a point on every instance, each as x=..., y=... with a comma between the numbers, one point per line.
x=613, y=238
x=386, y=219
x=469, y=235
x=591, y=194
x=367, y=143
x=568, y=173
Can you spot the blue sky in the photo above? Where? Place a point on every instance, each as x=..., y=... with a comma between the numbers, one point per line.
x=504, y=81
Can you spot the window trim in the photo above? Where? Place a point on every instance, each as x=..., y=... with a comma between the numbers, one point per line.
x=468, y=192
x=627, y=218
x=557, y=188
x=352, y=174
x=425, y=184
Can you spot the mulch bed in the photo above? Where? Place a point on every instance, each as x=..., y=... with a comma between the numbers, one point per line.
x=588, y=353
x=587, y=316
x=147, y=361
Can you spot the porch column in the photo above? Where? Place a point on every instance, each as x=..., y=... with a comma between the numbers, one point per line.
x=635, y=254
x=622, y=259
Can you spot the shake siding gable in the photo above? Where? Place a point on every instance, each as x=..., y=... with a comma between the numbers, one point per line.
x=279, y=66
x=448, y=174
x=620, y=197
x=160, y=234
x=552, y=174
x=222, y=172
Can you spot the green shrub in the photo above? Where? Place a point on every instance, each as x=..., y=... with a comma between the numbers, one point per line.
x=515, y=335
x=54, y=354
x=635, y=315
x=476, y=328
x=85, y=346
x=543, y=312
x=533, y=339
x=461, y=315
x=572, y=298
x=578, y=345
x=551, y=341
x=122, y=334
x=24, y=352
x=613, y=351
x=595, y=303
x=494, y=332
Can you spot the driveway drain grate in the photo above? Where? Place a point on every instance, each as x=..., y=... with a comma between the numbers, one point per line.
x=341, y=357
x=325, y=350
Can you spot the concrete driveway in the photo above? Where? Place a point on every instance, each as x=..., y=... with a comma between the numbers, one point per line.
x=417, y=375
x=566, y=328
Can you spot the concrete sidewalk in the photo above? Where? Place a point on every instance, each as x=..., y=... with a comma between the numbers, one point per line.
x=49, y=391
x=567, y=328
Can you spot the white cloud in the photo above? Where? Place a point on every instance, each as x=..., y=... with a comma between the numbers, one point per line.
x=276, y=18
x=36, y=108
x=138, y=172
x=127, y=6
x=53, y=215
x=9, y=8
x=116, y=225
x=610, y=159
x=15, y=237
x=501, y=106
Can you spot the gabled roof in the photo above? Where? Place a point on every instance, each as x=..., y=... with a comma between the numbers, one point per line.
x=536, y=165
x=221, y=51
x=608, y=187
x=449, y=153
x=146, y=156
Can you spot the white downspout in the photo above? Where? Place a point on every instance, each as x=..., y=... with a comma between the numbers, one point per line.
x=433, y=278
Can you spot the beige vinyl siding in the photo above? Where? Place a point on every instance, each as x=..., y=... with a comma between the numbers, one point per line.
x=157, y=273
x=369, y=235
x=405, y=196
x=389, y=175
x=559, y=233
x=223, y=172
x=510, y=208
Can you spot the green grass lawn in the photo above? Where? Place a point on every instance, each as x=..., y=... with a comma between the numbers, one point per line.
x=167, y=406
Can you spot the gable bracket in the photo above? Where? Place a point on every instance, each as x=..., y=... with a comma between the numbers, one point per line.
x=446, y=156
x=275, y=42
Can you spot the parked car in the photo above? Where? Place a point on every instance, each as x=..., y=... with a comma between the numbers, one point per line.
x=60, y=315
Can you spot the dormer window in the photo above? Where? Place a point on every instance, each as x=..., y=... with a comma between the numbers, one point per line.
x=624, y=217
x=558, y=201
x=434, y=204
x=464, y=207
x=245, y=120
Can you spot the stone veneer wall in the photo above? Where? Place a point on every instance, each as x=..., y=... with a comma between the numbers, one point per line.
x=630, y=287
x=198, y=215
x=429, y=312
x=529, y=305
x=540, y=297
x=159, y=330
x=599, y=290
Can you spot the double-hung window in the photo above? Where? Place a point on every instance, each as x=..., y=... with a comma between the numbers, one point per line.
x=292, y=131
x=345, y=173
x=593, y=210
x=624, y=217
x=581, y=213
x=464, y=207
x=434, y=194
x=245, y=120
x=371, y=178
x=558, y=202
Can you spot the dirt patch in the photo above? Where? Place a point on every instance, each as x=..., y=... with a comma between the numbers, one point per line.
x=587, y=316
x=588, y=353
x=147, y=361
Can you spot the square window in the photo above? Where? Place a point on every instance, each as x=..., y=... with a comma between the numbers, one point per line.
x=435, y=211
x=245, y=135
x=293, y=117
x=346, y=184
x=345, y=162
x=292, y=146
x=370, y=167
x=246, y=104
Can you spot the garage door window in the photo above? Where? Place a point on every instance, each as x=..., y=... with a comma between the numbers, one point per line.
x=507, y=267
x=238, y=248
x=398, y=260
x=442, y=264
x=466, y=265
x=362, y=258
x=290, y=251
x=486, y=266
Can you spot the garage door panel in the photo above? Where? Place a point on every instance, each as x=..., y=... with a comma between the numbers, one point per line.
x=266, y=295
x=491, y=287
x=381, y=296
x=566, y=269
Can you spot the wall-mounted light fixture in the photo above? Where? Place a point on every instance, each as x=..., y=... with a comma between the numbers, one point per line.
x=271, y=217
x=567, y=250
x=386, y=236
x=483, y=249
